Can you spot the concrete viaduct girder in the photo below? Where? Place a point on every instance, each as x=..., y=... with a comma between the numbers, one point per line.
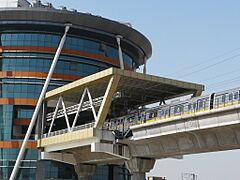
x=209, y=131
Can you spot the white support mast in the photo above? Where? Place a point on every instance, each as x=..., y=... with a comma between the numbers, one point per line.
x=145, y=65
x=38, y=106
x=120, y=54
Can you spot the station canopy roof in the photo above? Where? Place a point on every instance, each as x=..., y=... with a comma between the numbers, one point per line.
x=134, y=89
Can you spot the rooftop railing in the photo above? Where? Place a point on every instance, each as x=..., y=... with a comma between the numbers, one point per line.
x=64, y=131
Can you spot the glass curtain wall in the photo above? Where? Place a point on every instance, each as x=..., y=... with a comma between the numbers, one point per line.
x=24, y=62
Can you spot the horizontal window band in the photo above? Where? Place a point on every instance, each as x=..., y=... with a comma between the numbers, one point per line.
x=21, y=167
x=98, y=64
x=32, y=81
x=18, y=144
x=64, y=52
x=29, y=83
x=14, y=160
x=18, y=101
x=21, y=121
x=41, y=75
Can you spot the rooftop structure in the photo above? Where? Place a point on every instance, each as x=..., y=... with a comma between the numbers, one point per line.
x=14, y=3
x=134, y=89
x=84, y=24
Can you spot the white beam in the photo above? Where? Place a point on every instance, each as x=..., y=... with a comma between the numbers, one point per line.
x=107, y=100
x=79, y=108
x=38, y=106
x=65, y=114
x=120, y=54
x=54, y=116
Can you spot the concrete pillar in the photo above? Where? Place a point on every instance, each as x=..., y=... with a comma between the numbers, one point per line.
x=84, y=171
x=138, y=167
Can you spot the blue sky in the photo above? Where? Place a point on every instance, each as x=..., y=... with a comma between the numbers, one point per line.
x=196, y=41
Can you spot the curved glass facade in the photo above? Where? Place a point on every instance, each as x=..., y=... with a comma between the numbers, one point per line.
x=73, y=43
x=25, y=59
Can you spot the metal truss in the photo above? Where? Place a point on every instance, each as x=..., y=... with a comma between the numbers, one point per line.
x=101, y=104
x=75, y=109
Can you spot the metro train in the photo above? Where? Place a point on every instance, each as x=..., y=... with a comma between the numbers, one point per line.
x=193, y=105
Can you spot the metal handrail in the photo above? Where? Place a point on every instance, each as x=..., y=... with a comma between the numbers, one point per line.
x=64, y=131
x=73, y=109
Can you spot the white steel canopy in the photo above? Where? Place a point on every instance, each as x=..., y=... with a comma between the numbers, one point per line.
x=132, y=89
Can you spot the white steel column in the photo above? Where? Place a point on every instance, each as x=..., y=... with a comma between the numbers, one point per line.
x=65, y=114
x=145, y=66
x=92, y=106
x=85, y=92
x=54, y=116
x=39, y=103
x=60, y=101
x=107, y=100
x=120, y=54
x=79, y=108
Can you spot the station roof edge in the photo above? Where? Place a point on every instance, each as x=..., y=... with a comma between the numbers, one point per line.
x=135, y=76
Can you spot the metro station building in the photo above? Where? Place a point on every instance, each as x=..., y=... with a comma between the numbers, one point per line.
x=29, y=36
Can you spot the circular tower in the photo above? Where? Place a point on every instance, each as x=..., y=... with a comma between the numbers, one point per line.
x=29, y=37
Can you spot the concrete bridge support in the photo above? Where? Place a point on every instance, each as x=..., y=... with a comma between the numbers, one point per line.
x=138, y=167
x=84, y=171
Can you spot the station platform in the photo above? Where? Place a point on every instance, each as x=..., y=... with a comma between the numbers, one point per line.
x=74, y=115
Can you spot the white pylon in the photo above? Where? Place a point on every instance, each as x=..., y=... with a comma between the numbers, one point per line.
x=39, y=103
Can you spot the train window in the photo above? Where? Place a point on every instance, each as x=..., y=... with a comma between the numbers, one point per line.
x=185, y=107
x=171, y=111
x=189, y=106
x=147, y=115
x=206, y=103
x=142, y=116
x=236, y=95
x=132, y=118
x=194, y=105
x=153, y=114
x=167, y=112
x=230, y=97
x=178, y=109
x=200, y=104
x=224, y=98
x=161, y=113
x=217, y=101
